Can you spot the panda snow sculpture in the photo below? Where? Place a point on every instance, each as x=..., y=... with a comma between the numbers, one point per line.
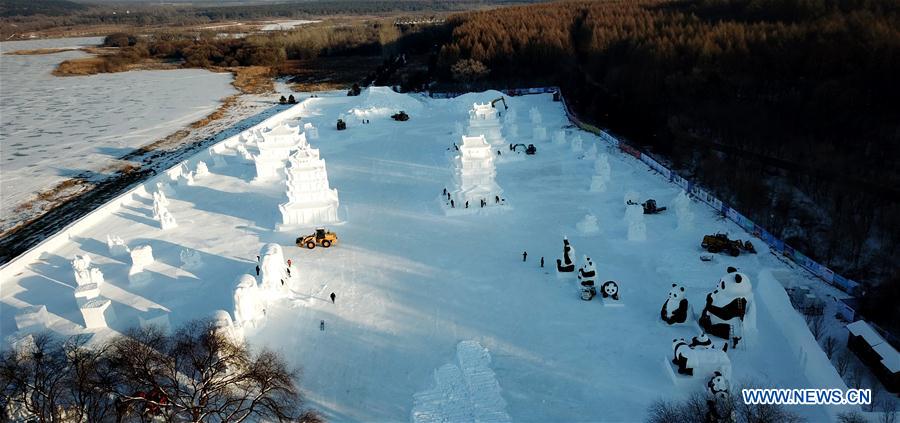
x=586, y=276
x=718, y=386
x=718, y=392
x=727, y=307
x=703, y=360
x=567, y=263
x=610, y=290
x=675, y=309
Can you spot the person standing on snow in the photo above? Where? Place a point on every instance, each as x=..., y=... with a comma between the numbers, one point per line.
x=333, y=296
x=542, y=261
x=524, y=255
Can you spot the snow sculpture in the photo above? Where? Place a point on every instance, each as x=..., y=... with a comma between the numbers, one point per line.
x=190, y=259
x=475, y=173
x=275, y=148
x=157, y=318
x=675, y=309
x=586, y=276
x=97, y=313
x=729, y=311
x=567, y=263
x=588, y=225
x=311, y=131
x=539, y=133
x=160, y=201
x=202, y=170
x=164, y=188
x=116, y=246
x=245, y=154
x=559, y=137
x=224, y=326
x=166, y=220
x=483, y=121
x=273, y=270
x=84, y=272
x=32, y=318
x=217, y=157
x=699, y=360
x=535, y=116
x=718, y=387
x=685, y=216
x=186, y=179
x=310, y=198
x=591, y=153
x=634, y=217
x=577, y=144
x=249, y=307
x=609, y=291
x=141, y=257
x=86, y=292
x=601, y=174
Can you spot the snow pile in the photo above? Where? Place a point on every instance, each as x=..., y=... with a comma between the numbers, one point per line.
x=588, y=225
x=190, y=259
x=276, y=146
x=116, y=246
x=84, y=272
x=601, y=174
x=634, y=218
x=32, y=318
x=249, y=305
x=141, y=257
x=311, y=200
x=475, y=174
x=464, y=391
x=384, y=102
x=202, y=170
x=682, y=205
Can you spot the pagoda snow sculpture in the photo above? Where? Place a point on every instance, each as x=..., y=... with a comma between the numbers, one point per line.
x=275, y=147
x=311, y=201
x=483, y=120
x=475, y=173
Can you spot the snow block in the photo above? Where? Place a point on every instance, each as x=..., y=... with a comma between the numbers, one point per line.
x=117, y=247
x=202, y=170
x=588, y=225
x=311, y=131
x=32, y=318
x=98, y=313
x=141, y=257
x=634, y=218
x=559, y=137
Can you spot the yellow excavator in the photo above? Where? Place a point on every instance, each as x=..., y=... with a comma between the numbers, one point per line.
x=320, y=237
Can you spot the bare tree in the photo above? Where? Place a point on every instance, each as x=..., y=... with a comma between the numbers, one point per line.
x=700, y=408
x=888, y=410
x=875, y=388
x=816, y=323
x=199, y=374
x=34, y=378
x=842, y=362
x=829, y=345
x=852, y=417
x=856, y=376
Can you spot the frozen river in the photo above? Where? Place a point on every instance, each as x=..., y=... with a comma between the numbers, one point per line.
x=54, y=128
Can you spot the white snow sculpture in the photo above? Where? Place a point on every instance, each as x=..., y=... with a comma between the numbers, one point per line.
x=588, y=225
x=242, y=150
x=702, y=361
x=164, y=188
x=311, y=131
x=586, y=276
x=539, y=133
x=559, y=137
x=310, y=198
x=202, y=170
x=730, y=312
x=577, y=144
x=567, y=263
x=216, y=153
x=141, y=257
x=32, y=318
x=117, y=247
x=475, y=173
x=166, y=220
x=176, y=171
x=190, y=259
x=483, y=121
x=591, y=153
x=82, y=267
x=632, y=197
x=601, y=174
x=634, y=217
x=273, y=270
x=86, y=292
x=249, y=306
x=186, y=179
x=685, y=216
x=535, y=116
x=225, y=326
x=275, y=149
x=98, y=313
x=156, y=317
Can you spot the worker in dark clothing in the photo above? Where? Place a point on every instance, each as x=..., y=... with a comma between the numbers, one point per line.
x=333, y=297
x=524, y=255
x=452, y=204
x=445, y=191
x=496, y=199
x=467, y=204
x=542, y=261
x=288, y=271
x=257, y=270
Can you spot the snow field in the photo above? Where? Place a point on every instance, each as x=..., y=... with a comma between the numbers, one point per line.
x=417, y=289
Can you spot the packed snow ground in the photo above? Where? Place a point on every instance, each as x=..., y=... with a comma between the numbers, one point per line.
x=417, y=289
x=54, y=128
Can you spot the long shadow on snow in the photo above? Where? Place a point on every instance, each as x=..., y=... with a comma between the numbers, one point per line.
x=255, y=207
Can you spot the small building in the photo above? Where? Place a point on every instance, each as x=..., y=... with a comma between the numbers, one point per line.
x=880, y=356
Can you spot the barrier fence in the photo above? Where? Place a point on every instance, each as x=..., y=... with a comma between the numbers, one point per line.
x=774, y=243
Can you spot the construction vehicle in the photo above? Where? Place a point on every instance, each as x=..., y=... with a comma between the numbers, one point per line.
x=721, y=243
x=400, y=117
x=557, y=96
x=529, y=150
x=354, y=90
x=320, y=237
x=650, y=207
x=502, y=99
x=341, y=125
